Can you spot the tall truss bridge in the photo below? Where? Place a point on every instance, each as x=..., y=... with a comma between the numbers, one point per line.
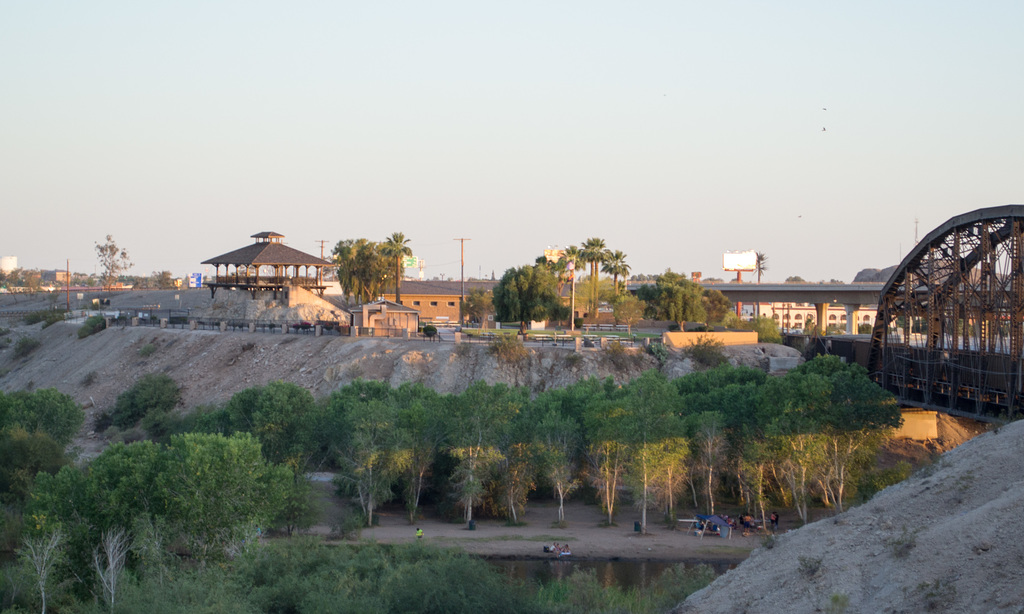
x=949, y=334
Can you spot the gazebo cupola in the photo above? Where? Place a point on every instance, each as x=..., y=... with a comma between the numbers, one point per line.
x=268, y=265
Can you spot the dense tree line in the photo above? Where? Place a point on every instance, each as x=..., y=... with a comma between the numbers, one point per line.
x=218, y=475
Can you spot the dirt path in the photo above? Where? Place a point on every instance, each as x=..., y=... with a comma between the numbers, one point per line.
x=586, y=538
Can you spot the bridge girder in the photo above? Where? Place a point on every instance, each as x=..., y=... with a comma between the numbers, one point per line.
x=949, y=332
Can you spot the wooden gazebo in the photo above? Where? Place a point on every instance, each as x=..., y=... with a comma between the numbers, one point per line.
x=268, y=265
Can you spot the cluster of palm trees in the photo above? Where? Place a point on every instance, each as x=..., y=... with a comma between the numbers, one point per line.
x=364, y=266
x=594, y=253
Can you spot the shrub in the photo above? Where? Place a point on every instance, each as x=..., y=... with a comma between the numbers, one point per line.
x=508, y=349
x=673, y=327
x=153, y=393
x=707, y=352
x=93, y=324
x=429, y=330
x=902, y=545
x=659, y=351
x=876, y=481
x=620, y=357
x=25, y=346
x=810, y=566
x=767, y=330
x=147, y=350
x=46, y=316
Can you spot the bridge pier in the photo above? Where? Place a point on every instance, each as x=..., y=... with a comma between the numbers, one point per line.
x=821, y=315
x=852, y=318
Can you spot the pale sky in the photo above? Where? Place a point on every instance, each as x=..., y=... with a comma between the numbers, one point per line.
x=674, y=130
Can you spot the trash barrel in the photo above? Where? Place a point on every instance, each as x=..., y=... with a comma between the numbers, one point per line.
x=636, y=526
x=472, y=525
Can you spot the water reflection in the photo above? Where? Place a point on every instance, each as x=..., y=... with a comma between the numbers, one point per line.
x=624, y=574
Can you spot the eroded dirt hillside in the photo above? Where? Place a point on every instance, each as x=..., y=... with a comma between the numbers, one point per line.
x=212, y=366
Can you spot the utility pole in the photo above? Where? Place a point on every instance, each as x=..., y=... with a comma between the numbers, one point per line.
x=571, y=265
x=462, y=274
x=321, y=242
x=67, y=283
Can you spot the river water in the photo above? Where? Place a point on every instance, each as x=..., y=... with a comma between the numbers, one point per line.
x=624, y=574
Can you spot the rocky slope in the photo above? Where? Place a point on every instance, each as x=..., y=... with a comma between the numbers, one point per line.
x=211, y=366
x=946, y=540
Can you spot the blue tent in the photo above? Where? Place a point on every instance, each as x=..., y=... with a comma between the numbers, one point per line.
x=715, y=523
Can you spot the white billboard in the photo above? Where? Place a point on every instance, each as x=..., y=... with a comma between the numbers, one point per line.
x=739, y=261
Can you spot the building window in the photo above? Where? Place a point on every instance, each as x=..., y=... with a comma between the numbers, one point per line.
x=433, y=303
x=416, y=303
x=451, y=303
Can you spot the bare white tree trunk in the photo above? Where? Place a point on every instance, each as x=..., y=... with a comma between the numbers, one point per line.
x=108, y=559
x=42, y=553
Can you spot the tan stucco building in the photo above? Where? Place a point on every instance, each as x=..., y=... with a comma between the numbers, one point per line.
x=436, y=301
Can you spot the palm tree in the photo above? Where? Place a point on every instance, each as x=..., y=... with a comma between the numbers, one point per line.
x=595, y=253
x=760, y=264
x=396, y=247
x=615, y=265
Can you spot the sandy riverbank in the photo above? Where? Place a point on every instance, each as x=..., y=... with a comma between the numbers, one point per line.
x=587, y=539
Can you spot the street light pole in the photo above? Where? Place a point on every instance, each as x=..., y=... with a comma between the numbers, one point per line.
x=462, y=275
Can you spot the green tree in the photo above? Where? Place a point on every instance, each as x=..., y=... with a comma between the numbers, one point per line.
x=46, y=410
x=423, y=429
x=362, y=268
x=606, y=452
x=595, y=253
x=285, y=419
x=760, y=264
x=767, y=330
x=630, y=310
x=716, y=306
x=153, y=393
x=560, y=440
x=396, y=248
x=163, y=280
x=22, y=456
x=673, y=297
x=615, y=265
x=481, y=415
x=221, y=489
x=114, y=261
x=526, y=294
x=373, y=458
x=479, y=305
x=647, y=420
x=852, y=422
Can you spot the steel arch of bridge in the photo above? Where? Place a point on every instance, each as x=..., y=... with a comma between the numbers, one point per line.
x=949, y=333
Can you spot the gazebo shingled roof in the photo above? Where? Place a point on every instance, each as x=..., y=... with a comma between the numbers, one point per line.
x=267, y=251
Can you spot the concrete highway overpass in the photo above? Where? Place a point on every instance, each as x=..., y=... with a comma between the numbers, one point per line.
x=854, y=297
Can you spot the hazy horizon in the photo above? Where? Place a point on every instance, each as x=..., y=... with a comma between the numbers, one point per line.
x=820, y=134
